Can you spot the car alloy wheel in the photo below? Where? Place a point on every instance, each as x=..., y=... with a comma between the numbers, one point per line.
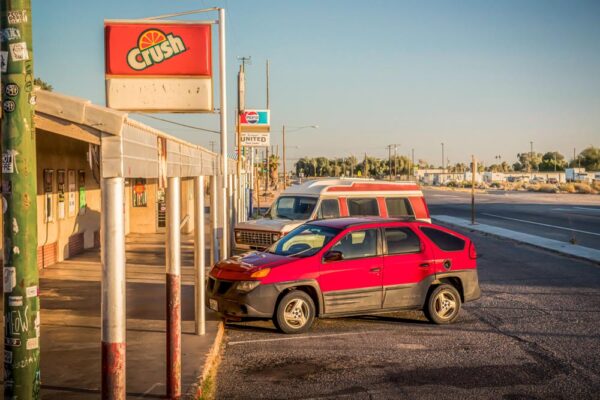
x=296, y=313
x=445, y=304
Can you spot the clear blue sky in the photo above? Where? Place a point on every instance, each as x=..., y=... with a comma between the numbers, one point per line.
x=484, y=77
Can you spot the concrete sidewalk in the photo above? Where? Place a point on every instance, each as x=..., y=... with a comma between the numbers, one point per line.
x=573, y=250
x=70, y=340
x=70, y=324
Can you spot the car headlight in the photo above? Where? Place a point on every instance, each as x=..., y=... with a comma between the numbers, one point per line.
x=276, y=237
x=247, y=286
x=238, y=234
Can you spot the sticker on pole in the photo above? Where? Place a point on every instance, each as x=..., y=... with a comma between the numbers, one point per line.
x=16, y=17
x=10, y=279
x=18, y=51
x=3, y=61
x=9, y=161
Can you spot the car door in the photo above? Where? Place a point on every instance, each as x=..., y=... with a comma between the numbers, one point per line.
x=408, y=268
x=353, y=283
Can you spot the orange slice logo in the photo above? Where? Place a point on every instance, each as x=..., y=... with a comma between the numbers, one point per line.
x=150, y=38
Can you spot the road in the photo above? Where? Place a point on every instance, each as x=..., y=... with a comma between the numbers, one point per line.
x=563, y=217
x=532, y=335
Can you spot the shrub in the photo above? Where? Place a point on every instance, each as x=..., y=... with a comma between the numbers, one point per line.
x=567, y=187
x=583, y=188
x=548, y=188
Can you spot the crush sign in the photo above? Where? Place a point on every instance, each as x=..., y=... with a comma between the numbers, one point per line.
x=160, y=67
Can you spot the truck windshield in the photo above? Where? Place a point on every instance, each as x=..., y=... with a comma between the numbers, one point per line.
x=304, y=241
x=293, y=207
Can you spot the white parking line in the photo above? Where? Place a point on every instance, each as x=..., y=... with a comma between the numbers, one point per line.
x=300, y=337
x=539, y=223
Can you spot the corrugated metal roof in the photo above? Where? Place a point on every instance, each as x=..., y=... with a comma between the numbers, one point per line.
x=129, y=147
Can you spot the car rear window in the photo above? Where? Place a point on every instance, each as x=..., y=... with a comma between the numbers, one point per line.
x=398, y=207
x=401, y=241
x=443, y=240
x=364, y=207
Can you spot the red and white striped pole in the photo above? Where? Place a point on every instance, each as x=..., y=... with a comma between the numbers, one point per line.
x=173, y=252
x=113, y=289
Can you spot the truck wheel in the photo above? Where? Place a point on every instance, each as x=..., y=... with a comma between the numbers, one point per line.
x=295, y=313
x=443, y=304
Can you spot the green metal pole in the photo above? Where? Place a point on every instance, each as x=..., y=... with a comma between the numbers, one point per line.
x=19, y=191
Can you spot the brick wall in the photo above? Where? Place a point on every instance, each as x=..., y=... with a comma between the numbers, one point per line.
x=47, y=255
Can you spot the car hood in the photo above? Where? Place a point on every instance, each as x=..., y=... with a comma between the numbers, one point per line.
x=240, y=267
x=270, y=225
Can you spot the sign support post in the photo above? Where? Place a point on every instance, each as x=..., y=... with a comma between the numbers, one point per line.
x=19, y=194
x=223, y=123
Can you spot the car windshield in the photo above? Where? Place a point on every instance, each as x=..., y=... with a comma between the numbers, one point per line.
x=293, y=207
x=304, y=241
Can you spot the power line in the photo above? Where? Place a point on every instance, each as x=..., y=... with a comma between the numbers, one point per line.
x=178, y=123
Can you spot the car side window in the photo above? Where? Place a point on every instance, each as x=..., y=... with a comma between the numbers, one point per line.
x=357, y=244
x=401, y=241
x=398, y=207
x=329, y=208
x=443, y=240
x=363, y=207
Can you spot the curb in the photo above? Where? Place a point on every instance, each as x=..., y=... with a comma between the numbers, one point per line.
x=195, y=391
x=496, y=235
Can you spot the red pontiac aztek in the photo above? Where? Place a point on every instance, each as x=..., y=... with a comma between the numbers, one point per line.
x=348, y=266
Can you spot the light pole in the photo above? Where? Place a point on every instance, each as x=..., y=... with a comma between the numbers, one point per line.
x=283, y=145
x=530, y=155
x=443, y=165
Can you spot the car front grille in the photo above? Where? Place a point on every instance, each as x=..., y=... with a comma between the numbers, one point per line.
x=254, y=238
x=218, y=286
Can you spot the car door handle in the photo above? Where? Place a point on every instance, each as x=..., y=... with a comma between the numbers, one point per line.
x=424, y=265
x=376, y=269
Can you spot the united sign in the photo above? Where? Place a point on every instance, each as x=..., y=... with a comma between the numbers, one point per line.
x=160, y=67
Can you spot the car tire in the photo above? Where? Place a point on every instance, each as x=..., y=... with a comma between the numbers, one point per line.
x=295, y=312
x=442, y=305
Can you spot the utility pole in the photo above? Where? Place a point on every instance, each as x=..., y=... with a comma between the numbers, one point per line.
x=389, y=146
x=267, y=169
x=19, y=190
x=473, y=171
x=412, y=162
x=212, y=145
x=268, y=84
x=283, y=154
x=241, y=100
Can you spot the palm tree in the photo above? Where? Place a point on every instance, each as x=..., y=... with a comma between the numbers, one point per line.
x=273, y=170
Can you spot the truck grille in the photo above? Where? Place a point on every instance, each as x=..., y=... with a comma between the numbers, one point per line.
x=255, y=238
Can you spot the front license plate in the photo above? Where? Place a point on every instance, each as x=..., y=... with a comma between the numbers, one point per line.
x=213, y=304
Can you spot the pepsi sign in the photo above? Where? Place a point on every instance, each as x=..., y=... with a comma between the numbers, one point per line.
x=255, y=121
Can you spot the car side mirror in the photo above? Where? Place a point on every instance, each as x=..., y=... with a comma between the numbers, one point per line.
x=333, y=255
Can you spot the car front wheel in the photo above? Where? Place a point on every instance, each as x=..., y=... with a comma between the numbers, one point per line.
x=443, y=304
x=295, y=312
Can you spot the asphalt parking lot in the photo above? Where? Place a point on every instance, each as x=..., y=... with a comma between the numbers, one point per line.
x=532, y=335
